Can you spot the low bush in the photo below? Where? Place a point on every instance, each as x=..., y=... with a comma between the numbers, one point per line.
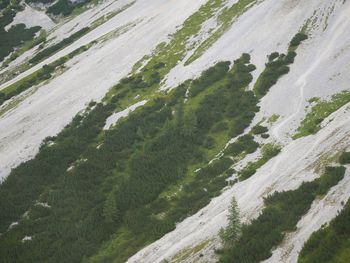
x=344, y=158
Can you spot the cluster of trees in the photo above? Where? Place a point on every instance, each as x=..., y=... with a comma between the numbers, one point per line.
x=64, y=7
x=118, y=185
x=84, y=209
x=277, y=66
x=15, y=36
x=52, y=49
x=282, y=212
x=331, y=243
x=209, y=77
x=244, y=143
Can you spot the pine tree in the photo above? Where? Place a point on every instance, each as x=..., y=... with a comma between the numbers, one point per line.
x=232, y=232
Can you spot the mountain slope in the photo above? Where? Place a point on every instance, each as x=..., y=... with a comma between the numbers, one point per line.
x=186, y=79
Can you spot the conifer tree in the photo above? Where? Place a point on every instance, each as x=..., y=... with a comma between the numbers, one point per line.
x=232, y=232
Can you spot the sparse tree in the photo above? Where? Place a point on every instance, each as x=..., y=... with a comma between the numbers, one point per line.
x=232, y=232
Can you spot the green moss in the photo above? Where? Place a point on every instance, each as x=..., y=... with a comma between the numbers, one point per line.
x=321, y=110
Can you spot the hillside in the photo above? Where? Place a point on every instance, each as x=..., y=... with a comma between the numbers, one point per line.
x=174, y=131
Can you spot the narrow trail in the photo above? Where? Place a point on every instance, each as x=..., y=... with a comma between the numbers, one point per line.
x=322, y=55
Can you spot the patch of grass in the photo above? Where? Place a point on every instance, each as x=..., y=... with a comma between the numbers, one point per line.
x=174, y=51
x=321, y=110
x=273, y=118
x=225, y=20
x=186, y=253
x=268, y=151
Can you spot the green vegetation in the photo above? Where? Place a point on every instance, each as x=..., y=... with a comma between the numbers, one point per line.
x=209, y=77
x=15, y=36
x=268, y=151
x=38, y=76
x=331, y=243
x=193, y=124
x=282, y=212
x=244, y=143
x=321, y=110
x=344, y=158
x=225, y=20
x=53, y=49
x=297, y=39
x=174, y=51
x=273, y=118
x=230, y=235
x=147, y=153
x=258, y=129
x=277, y=66
x=109, y=201
x=26, y=46
x=65, y=7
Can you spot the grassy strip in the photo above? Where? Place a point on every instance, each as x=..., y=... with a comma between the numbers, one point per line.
x=321, y=110
x=38, y=76
x=282, y=212
x=268, y=152
x=53, y=49
x=225, y=19
x=174, y=51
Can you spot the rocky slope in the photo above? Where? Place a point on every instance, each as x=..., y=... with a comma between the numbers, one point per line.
x=125, y=37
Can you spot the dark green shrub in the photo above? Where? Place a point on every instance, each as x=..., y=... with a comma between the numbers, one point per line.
x=258, y=129
x=344, y=158
x=298, y=38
